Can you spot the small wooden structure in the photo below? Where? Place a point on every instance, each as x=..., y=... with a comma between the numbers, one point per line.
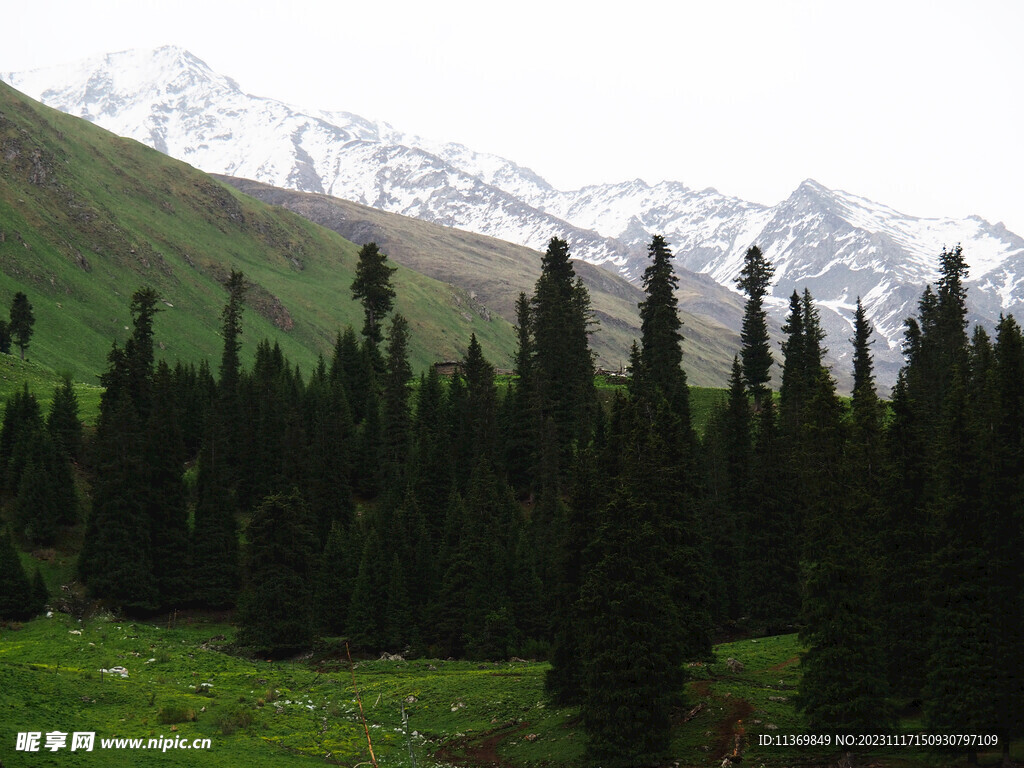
x=448, y=368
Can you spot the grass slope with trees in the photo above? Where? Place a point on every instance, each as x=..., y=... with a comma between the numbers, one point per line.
x=86, y=217
x=343, y=506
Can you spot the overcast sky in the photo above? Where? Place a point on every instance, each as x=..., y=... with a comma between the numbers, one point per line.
x=917, y=105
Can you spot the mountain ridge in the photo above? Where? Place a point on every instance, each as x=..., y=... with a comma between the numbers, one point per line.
x=836, y=244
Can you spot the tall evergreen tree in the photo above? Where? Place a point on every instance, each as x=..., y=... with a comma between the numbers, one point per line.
x=481, y=417
x=213, y=548
x=661, y=352
x=921, y=489
x=372, y=286
x=397, y=414
x=1003, y=491
x=16, y=599
x=45, y=489
x=629, y=628
x=726, y=450
x=163, y=454
x=563, y=365
x=22, y=421
x=329, y=433
x=519, y=414
x=432, y=465
x=63, y=420
x=755, y=280
x=564, y=680
x=22, y=322
x=843, y=685
x=116, y=561
x=276, y=603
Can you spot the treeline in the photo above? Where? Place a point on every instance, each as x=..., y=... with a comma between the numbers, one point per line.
x=449, y=518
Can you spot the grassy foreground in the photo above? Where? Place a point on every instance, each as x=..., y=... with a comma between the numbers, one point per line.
x=183, y=683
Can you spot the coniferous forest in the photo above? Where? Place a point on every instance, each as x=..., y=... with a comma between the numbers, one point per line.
x=461, y=517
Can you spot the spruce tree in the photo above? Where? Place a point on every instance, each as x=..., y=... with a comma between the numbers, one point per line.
x=117, y=555
x=1004, y=489
x=629, y=625
x=22, y=421
x=16, y=597
x=46, y=492
x=330, y=443
x=519, y=414
x=372, y=286
x=481, y=415
x=364, y=617
x=432, y=464
x=339, y=566
x=843, y=685
x=22, y=322
x=213, y=547
x=562, y=364
x=165, y=506
x=276, y=604
x=726, y=451
x=396, y=414
x=961, y=675
x=63, y=421
x=755, y=281
x=659, y=367
x=346, y=369
x=920, y=490
x=564, y=680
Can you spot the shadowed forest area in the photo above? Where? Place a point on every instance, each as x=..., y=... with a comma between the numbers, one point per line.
x=445, y=517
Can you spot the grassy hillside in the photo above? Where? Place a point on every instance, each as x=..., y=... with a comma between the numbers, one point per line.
x=494, y=272
x=87, y=217
x=16, y=373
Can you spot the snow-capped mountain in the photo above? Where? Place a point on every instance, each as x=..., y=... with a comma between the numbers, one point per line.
x=838, y=245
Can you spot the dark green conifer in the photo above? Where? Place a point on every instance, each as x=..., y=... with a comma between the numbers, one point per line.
x=659, y=368
x=396, y=412
x=632, y=659
x=432, y=465
x=17, y=601
x=1003, y=494
x=117, y=555
x=562, y=365
x=365, y=615
x=519, y=415
x=276, y=604
x=330, y=436
x=63, y=421
x=481, y=415
x=22, y=421
x=843, y=684
x=22, y=322
x=755, y=281
x=165, y=502
x=372, y=286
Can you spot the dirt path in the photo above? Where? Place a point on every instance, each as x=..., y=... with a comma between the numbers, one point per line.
x=731, y=734
x=480, y=750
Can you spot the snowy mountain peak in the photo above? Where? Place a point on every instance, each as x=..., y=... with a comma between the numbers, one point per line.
x=837, y=244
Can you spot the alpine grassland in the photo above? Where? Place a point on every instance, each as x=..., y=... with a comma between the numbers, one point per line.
x=185, y=679
x=86, y=217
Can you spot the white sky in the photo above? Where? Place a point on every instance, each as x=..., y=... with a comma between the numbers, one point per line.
x=914, y=104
